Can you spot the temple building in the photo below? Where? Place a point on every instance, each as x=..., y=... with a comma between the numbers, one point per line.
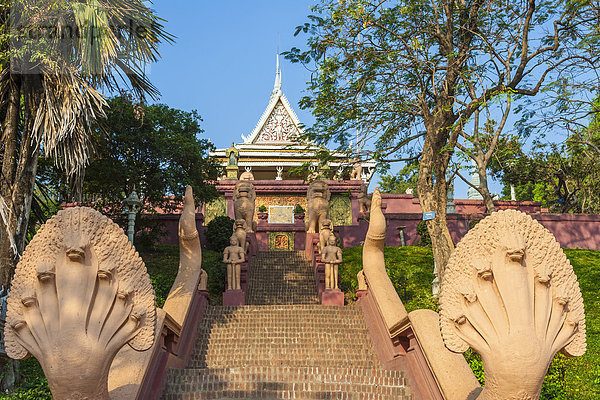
x=281, y=167
x=272, y=150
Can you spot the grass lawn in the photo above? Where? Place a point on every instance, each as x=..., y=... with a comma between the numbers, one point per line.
x=411, y=271
x=163, y=263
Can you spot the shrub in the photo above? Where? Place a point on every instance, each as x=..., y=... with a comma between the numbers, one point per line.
x=212, y=263
x=162, y=264
x=218, y=232
x=298, y=209
x=423, y=232
x=262, y=209
x=149, y=231
x=33, y=385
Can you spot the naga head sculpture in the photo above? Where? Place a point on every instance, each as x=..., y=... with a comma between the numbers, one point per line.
x=510, y=293
x=80, y=293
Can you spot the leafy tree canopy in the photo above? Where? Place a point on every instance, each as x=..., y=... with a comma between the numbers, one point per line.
x=154, y=148
x=411, y=76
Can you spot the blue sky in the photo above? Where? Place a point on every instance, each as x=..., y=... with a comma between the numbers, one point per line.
x=223, y=63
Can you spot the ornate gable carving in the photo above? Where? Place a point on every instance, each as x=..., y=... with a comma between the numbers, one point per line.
x=279, y=127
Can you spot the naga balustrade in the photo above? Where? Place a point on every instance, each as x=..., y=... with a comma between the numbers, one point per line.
x=142, y=375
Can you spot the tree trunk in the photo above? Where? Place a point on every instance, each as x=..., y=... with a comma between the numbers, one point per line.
x=21, y=167
x=483, y=187
x=9, y=167
x=432, y=187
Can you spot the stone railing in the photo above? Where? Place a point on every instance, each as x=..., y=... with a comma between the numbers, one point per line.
x=405, y=341
x=141, y=375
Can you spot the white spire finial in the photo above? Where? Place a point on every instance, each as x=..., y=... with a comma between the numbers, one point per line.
x=277, y=85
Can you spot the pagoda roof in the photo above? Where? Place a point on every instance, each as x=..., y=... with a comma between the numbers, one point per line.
x=274, y=139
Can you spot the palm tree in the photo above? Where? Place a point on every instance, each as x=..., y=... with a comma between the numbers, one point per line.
x=56, y=59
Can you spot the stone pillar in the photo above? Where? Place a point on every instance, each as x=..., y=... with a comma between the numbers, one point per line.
x=230, y=208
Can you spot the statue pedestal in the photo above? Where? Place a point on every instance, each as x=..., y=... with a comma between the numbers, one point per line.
x=332, y=297
x=234, y=298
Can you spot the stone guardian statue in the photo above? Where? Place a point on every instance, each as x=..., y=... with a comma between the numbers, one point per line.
x=356, y=173
x=80, y=293
x=364, y=202
x=239, y=231
x=244, y=196
x=332, y=257
x=325, y=231
x=233, y=256
x=317, y=199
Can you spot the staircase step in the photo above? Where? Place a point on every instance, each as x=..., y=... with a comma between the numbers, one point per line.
x=286, y=383
x=283, y=335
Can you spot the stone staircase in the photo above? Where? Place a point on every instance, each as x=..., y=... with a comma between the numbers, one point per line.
x=285, y=347
x=281, y=277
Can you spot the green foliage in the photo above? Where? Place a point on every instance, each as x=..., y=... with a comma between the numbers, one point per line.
x=473, y=222
x=393, y=69
x=212, y=263
x=298, y=209
x=423, y=232
x=162, y=264
x=582, y=373
x=404, y=179
x=563, y=177
x=218, y=232
x=33, y=385
x=154, y=148
x=474, y=361
x=262, y=208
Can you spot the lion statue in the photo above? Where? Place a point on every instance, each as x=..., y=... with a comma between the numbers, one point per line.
x=244, y=196
x=356, y=173
x=317, y=199
x=239, y=231
x=325, y=230
x=364, y=202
